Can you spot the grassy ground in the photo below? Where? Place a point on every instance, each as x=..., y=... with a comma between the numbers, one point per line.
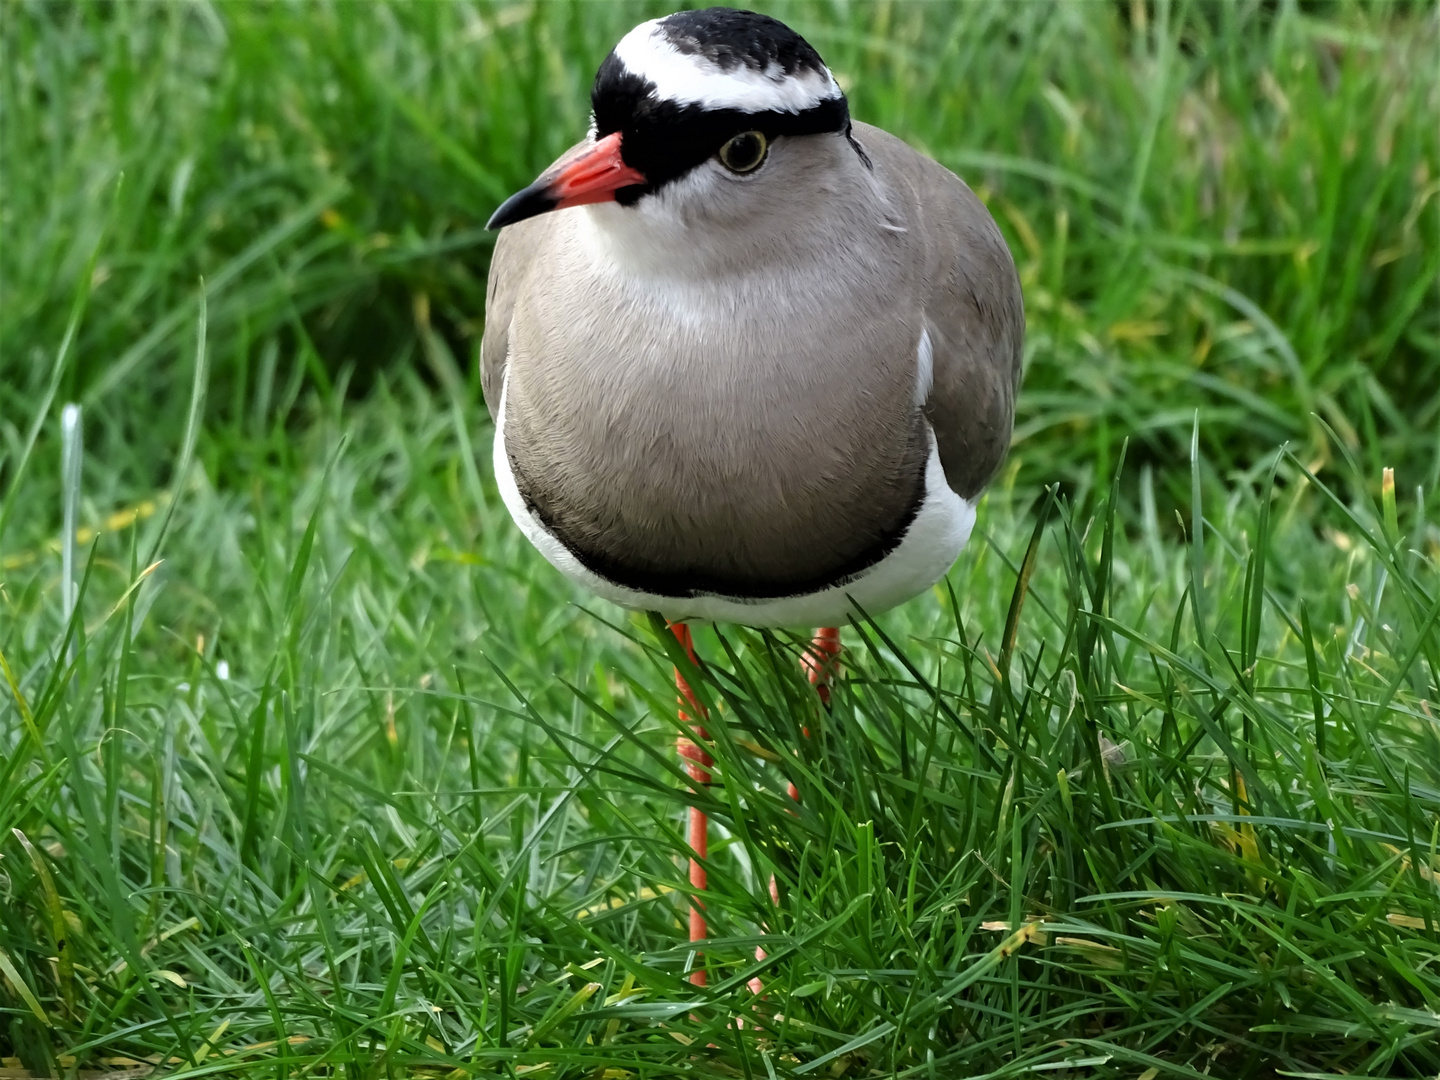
x=330, y=772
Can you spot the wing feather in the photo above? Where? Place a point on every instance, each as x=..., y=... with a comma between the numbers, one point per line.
x=510, y=265
x=973, y=313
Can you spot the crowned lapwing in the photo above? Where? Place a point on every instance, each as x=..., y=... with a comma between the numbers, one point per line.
x=761, y=364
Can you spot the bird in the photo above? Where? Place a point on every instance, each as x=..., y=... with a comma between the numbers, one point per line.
x=748, y=360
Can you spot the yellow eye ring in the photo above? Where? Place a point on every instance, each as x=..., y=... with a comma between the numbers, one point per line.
x=745, y=152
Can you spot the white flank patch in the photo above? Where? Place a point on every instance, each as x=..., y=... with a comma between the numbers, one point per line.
x=693, y=80
x=926, y=552
x=924, y=368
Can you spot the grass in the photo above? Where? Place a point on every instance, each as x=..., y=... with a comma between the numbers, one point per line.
x=329, y=772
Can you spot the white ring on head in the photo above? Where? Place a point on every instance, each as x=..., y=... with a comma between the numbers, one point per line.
x=691, y=79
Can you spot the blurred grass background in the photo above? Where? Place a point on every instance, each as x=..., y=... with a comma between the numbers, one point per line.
x=348, y=782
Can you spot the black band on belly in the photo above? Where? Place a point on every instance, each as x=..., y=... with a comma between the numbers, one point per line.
x=695, y=582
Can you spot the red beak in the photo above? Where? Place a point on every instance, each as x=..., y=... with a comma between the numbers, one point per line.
x=588, y=174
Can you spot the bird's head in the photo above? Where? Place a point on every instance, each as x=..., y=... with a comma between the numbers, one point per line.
x=694, y=107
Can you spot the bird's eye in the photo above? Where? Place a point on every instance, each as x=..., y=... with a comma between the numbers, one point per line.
x=745, y=152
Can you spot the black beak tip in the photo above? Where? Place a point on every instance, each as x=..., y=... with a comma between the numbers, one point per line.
x=525, y=203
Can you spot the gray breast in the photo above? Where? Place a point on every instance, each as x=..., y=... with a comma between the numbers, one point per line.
x=758, y=440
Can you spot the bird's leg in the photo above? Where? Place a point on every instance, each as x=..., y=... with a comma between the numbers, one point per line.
x=697, y=765
x=819, y=662
x=757, y=984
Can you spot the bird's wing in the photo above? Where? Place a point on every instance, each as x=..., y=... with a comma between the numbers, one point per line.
x=515, y=253
x=517, y=249
x=974, y=316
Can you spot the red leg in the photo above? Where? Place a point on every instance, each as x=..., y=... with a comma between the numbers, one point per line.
x=757, y=984
x=819, y=662
x=697, y=765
